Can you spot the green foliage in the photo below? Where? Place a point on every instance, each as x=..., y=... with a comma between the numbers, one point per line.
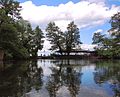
x=115, y=25
x=36, y=41
x=109, y=46
x=63, y=41
x=115, y=33
x=17, y=38
x=55, y=36
x=97, y=38
x=11, y=8
x=8, y=32
x=31, y=40
x=72, y=37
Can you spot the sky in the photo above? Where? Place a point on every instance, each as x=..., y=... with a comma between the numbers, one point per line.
x=89, y=15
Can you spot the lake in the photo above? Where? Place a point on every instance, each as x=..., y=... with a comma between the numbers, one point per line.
x=60, y=78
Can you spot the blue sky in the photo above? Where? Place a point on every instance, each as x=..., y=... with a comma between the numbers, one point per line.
x=57, y=2
x=89, y=15
x=49, y=2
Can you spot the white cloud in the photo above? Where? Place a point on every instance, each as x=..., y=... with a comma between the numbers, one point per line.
x=102, y=32
x=84, y=13
x=99, y=30
x=46, y=47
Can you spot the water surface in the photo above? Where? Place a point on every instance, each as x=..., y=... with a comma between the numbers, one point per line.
x=60, y=78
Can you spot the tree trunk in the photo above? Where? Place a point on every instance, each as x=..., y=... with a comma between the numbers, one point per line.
x=68, y=50
x=1, y=54
x=35, y=53
x=60, y=49
x=68, y=53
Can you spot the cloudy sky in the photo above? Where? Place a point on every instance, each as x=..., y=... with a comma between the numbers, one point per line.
x=89, y=15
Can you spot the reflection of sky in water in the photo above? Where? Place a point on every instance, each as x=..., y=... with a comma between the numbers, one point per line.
x=88, y=87
x=88, y=77
x=85, y=78
x=88, y=80
x=45, y=65
x=107, y=88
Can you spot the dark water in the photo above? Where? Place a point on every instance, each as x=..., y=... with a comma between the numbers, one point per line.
x=60, y=78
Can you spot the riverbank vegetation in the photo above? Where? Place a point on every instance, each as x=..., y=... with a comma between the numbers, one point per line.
x=109, y=44
x=18, y=40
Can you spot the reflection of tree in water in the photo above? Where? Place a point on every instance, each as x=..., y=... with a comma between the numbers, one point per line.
x=34, y=75
x=54, y=82
x=64, y=75
x=109, y=71
x=17, y=78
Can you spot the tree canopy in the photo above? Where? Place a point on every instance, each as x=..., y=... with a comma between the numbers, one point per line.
x=17, y=38
x=63, y=41
x=109, y=46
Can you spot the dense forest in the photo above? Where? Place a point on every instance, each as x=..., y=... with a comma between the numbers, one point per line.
x=18, y=40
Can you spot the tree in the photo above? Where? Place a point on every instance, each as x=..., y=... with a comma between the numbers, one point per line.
x=8, y=38
x=97, y=38
x=109, y=46
x=17, y=38
x=25, y=35
x=30, y=39
x=103, y=43
x=7, y=29
x=37, y=41
x=9, y=42
x=115, y=33
x=55, y=36
x=11, y=8
x=115, y=25
x=63, y=41
x=72, y=37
